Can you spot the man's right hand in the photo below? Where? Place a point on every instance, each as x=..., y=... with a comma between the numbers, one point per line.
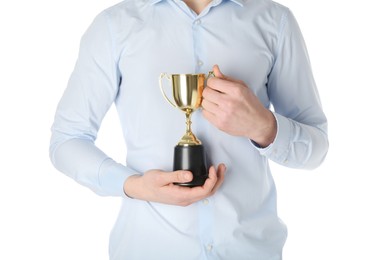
x=157, y=186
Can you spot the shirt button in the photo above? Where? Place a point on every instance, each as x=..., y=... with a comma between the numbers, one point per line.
x=200, y=63
x=206, y=202
x=197, y=22
x=209, y=247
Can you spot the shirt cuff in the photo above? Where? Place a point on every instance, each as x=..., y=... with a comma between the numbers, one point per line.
x=279, y=149
x=112, y=176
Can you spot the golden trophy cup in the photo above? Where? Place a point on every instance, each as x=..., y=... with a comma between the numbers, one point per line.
x=189, y=153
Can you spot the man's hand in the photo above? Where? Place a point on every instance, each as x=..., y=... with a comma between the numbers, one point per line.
x=233, y=108
x=157, y=186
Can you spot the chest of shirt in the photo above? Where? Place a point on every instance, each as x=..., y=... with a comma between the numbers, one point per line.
x=166, y=39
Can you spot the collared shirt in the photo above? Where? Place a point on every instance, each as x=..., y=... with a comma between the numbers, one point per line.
x=121, y=57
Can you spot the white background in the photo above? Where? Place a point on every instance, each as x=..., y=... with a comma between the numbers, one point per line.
x=331, y=213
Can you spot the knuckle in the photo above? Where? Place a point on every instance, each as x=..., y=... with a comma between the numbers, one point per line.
x=239, y=92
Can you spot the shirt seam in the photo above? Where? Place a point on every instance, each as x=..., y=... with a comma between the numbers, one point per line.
x=284, y=20
x=113, y=49
x=280, y=37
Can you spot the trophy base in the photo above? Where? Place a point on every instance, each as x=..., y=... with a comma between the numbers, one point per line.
x=191, y=158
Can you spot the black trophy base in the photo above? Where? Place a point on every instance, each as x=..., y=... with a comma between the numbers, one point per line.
x=191, y=158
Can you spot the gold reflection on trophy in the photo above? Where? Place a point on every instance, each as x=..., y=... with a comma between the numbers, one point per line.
x=187, y=95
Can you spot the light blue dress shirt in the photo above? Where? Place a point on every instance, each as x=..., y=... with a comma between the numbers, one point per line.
x=121, y=57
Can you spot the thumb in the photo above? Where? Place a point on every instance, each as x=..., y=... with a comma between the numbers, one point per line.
x=217, y=72
x=177, y=176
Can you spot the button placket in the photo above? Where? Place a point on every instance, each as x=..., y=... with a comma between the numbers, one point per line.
x=206, y=225
x=197, y=44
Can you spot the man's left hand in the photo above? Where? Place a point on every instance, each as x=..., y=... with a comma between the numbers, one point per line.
x=233, y=108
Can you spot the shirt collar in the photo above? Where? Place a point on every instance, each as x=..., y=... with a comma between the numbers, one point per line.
x=152, y=2
x=238, y=2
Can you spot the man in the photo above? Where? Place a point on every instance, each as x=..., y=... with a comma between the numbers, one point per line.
x=262, y=62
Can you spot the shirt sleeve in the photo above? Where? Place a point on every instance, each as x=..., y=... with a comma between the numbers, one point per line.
x=301, y=140
x=91, y=90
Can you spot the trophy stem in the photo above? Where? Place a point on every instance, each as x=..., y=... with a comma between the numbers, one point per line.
x=188, y=121
x=189, y=138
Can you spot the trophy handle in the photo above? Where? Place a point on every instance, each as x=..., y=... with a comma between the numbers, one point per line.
x=210, y=75
x=165, y=75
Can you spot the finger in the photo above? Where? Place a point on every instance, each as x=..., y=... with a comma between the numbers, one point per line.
x=224, y=86
x=212, y=94
x=222, y=168
x=210, y=106
x=212, y=118
x=210, y=181
x=167, y=178
x=218, y=84
x=220, y=174
x=212, y=184
x=198, y=193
